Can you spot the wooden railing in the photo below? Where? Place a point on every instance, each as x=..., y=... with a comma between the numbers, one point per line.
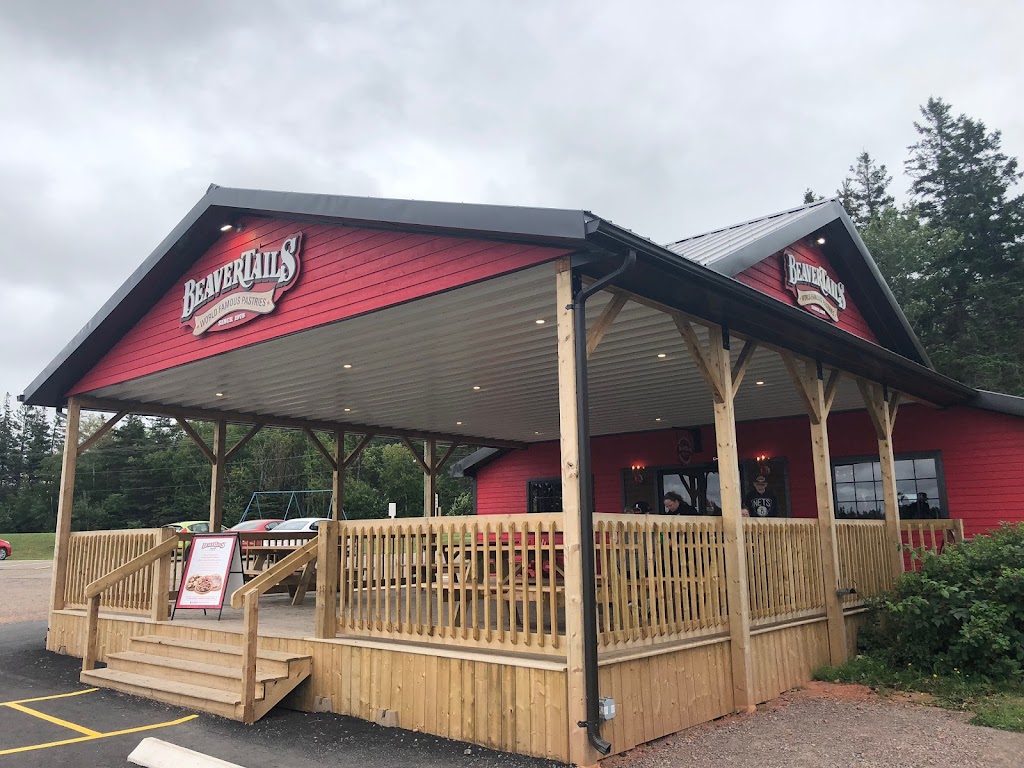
x=864, y=563
x=260, y=550
x=494, y=581
x=94, y=554
x=928, y=535
x=658, y=579
x=783, y=569
x=158, y=557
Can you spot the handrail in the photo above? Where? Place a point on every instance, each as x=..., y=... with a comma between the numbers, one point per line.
x=95, y=588
x=274, y=575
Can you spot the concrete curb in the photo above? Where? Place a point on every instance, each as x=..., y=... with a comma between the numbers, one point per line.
x=154, y=753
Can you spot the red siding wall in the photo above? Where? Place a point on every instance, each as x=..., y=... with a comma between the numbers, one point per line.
x=767, y=277
x=345, y=271
x=982, y=454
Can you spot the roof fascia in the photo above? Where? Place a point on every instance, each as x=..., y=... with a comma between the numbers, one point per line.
x=999, y=402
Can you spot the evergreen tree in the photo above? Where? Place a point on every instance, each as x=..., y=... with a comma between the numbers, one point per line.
x=865, y=193
x=810, y=197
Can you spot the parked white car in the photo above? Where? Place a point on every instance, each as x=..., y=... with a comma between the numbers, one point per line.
x=300, y=524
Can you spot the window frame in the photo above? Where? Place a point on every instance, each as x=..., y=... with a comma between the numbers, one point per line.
x=940, y=476
x=531, y=481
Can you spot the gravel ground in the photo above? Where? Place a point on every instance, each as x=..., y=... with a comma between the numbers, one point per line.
x=833, y=726
x=26, y=590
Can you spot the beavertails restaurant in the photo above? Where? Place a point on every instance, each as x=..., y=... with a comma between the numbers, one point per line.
x=693, y=463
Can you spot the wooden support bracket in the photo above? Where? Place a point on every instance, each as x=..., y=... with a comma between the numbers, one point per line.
x=447, y=455
x=704, y=364
x=740, y=369
x=358, y=449
x=242, y=443
x=321, y=447
x=804, y=381
x=90, y=441
x=416, y=455
x=197, y=439
x=831, y=388
x=604, y=322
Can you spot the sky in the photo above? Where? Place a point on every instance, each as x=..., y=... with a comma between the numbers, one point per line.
x=669, y=118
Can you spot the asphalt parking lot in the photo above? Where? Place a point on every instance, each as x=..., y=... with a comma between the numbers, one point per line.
x=48, y=718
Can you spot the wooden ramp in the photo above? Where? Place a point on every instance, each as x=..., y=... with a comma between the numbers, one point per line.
x=200, y=676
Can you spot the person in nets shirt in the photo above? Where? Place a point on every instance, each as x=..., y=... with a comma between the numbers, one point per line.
x=760, y=502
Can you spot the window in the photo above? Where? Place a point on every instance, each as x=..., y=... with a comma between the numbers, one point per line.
x=701, y=489
x=544, y=495
x=920, y=490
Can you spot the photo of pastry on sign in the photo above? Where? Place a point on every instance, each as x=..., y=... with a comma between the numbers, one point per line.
x=203, y=584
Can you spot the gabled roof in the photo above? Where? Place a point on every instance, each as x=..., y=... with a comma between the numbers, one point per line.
x=731, y=250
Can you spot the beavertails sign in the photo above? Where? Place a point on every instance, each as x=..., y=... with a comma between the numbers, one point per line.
x=812, y=287
x=243, y=289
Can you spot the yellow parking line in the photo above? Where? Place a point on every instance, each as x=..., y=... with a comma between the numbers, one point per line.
x=54, y=720
x=80, y=739
x=47, y=698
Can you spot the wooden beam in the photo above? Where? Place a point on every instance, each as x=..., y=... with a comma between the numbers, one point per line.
x=239, y=417
x=328, y=564
x=737, y=587
x=243, y=442
x=894, y=406
x=604, y=322
x=882, y=419
x=827, y=537
x=90, y=441
x=338, y=477
x=197, y=439
x=447, y=455
x=65, y=505
x=740, y=369
x=429, y=478
x=218, y=475
x=873, y=402
x=802, y=382
x=415, y=454
x=159, y=608
x=700, y=358
x=831, y=389
x=250, y=652
x=580, y=751
x=359, y=448
x=322, y=448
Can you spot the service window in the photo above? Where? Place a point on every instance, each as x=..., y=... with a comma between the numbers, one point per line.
x=920, y=490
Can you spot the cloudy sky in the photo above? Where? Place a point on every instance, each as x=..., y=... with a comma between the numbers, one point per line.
x=667, y=117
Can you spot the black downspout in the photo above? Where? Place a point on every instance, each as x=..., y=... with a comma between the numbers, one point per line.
x=579, y=307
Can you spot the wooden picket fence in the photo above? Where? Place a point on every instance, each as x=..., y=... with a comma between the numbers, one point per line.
x=93, y=554
x=783, y=569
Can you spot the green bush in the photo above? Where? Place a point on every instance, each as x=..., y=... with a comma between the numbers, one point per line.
x=963, y=612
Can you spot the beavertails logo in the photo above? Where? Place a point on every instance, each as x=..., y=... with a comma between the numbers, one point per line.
x=813, y=287
x=241, y=290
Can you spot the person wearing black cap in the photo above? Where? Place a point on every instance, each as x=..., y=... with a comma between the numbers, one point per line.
x=761, y=502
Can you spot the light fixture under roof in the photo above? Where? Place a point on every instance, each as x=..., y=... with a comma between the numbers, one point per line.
x=540, y=322
x=536, y=433
x=759, y=383
x=658, y=419
x=475, y=387
x=662, y=355
x=227, y=227
x=219, y=394
x=820, y=241
x=347, y=365
x=458, y=423
x=348, y=410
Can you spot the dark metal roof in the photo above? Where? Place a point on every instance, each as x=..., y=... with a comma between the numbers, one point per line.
x=201, y=227
x=732, y=250
x=477, y=460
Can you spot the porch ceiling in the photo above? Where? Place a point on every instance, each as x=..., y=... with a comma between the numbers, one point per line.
x=415, y=366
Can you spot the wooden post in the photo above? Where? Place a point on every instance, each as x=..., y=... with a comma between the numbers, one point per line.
x=818, y=398
x=882, y=413
x=250, y=636
x=65, y=505
x=580, y=751
x=715, y=366
x=327, y=567
x=92, y=634
x=338, y=484
x=429, y=477
x=160, y=608
x=218, y=473
x=737, y=588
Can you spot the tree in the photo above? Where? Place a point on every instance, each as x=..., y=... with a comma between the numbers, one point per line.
x=865, y=193
x=810, y=197
x=961, y=182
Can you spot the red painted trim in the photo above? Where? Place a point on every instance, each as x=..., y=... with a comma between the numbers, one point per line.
x=767, y=277
x=982, y=455
x=345, y=272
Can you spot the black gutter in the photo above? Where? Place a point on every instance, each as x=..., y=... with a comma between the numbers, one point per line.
x=586, y=511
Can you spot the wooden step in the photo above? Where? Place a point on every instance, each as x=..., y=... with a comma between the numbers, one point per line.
x=227, y=678
x=276, y=662
x=213, y=700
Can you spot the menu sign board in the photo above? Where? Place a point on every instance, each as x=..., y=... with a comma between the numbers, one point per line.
x=213, y=569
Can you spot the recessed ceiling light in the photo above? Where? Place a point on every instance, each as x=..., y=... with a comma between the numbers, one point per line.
x=347, y=365
x=458, y=423
x=348, y=410
x=759, y=383
x=227, y=228
x=476, y=387
x=219, y=394
x=658, y=419
x=536, y=433
x=539, y=322
x=821, y=241
x=662, y=354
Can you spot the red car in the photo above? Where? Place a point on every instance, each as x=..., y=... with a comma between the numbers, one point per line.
x=254, y=526
x=5, y=549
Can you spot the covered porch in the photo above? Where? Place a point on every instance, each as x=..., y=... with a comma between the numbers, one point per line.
x=509, y=630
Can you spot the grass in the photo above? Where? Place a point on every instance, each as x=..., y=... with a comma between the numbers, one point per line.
x=30, y=546
x=994, y=704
